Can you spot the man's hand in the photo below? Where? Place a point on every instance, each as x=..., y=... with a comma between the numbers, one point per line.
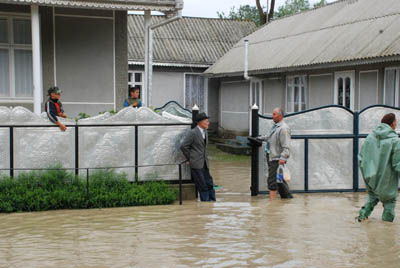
x=62, y=126
x=63, y=115
x=187, y=163
x=282, y=162
x=135, y=104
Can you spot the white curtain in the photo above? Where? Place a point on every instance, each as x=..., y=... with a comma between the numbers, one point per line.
x=4, y=74
x=194, y=91
x=23, y=73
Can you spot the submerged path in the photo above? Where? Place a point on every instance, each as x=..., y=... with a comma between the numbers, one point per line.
x=311, y=230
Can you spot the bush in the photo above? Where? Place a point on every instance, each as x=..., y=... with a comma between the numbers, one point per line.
x=59, y=189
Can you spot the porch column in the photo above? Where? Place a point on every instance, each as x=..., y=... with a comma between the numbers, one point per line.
x=147, y=59
x=36, y=60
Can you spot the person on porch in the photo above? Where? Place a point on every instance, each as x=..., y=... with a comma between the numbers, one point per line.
x=54, y=108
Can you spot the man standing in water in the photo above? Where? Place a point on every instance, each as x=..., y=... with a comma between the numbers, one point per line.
x=194, y=147
x=380, y=163
x=277, y=152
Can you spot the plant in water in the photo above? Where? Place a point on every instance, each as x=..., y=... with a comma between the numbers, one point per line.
x=59, y=189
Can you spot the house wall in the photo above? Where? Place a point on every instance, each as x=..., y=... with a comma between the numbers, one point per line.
x=234, y=106
x=368, y=90
x=320, y=90
x=84, y=52
x=273, y=94
x=213, y=103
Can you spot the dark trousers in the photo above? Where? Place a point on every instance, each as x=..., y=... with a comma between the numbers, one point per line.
x=282, y=188
x=204, y=183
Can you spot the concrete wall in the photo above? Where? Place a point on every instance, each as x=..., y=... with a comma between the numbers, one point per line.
x=320, y=90
x=167, y=86
x=213, y=103
x=368, y=88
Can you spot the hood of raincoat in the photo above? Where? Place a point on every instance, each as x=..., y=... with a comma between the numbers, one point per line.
x=379, y=161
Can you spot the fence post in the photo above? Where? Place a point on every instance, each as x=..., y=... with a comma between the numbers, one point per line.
x=195, y=112
x=180, y=184
x=136, y=153
x=11, y=152
x=254, y=152
x=355, y=151
x=306, y=164
x=76, y=150
x=87, y=184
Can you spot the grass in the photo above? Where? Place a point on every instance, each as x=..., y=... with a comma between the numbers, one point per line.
x=216, y=154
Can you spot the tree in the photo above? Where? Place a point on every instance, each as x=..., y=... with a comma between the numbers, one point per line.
x=257, y=13
x=292, y=6
x=320, y=3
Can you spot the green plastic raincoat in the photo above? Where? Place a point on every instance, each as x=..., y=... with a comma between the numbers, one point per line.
x=380, y=163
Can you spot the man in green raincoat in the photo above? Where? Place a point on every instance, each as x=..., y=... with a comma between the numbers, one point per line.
x=380, y=163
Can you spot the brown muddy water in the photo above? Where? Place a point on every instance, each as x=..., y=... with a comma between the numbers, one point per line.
x=311, y=230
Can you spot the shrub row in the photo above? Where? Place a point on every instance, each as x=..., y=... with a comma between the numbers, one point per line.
x=59, y=189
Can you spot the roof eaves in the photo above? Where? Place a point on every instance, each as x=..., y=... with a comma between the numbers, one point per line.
x=366, y=61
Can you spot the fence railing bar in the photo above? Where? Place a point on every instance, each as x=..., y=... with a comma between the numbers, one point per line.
x=101, y=125
x=306, y=164
x=11, y=152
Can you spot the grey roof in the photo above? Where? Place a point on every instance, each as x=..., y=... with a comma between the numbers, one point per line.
x=157, y=5
x=186, y=42
x=342, y=32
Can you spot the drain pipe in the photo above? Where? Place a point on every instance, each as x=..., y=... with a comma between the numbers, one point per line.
x=148, y=64
x=246, y=61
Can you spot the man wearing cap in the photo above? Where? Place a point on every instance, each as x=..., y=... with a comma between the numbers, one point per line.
x=54, y=108
x=194, y=147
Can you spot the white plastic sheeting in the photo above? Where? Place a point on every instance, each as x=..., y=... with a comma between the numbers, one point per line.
x=370, y=118
x=99, y=146
x=330, y=161
x=331, y=120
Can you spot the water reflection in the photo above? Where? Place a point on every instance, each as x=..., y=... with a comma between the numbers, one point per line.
x=316, y=230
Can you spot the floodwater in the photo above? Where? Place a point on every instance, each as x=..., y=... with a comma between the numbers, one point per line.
x=311, y=230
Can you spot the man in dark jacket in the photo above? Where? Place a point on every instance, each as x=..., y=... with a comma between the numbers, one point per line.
x=54, y=108
x=194, y=147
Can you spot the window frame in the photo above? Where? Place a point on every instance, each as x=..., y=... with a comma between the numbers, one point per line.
x=292, y=77
x=11, y=47
x=397, y=85
x=134, y=83
x=343, y=75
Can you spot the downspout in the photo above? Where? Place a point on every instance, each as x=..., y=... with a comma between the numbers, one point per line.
x=246, y=61
x=149, y=53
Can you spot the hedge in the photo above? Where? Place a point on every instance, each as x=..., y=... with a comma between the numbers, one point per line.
x=60, y=189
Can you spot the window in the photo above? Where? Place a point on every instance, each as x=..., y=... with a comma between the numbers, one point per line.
x=15, y=57
x=391, y=92
x=195, y=91
x=344, y=89
x=135, y=79
x=296, y=93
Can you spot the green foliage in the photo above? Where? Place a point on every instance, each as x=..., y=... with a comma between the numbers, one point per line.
x=244, y=12
x=291, y=7
x=320, y=3
x=82, y=116
x=247, y=12
x=59, y=189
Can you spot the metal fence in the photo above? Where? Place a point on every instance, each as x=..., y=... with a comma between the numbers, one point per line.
x=325, y=147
